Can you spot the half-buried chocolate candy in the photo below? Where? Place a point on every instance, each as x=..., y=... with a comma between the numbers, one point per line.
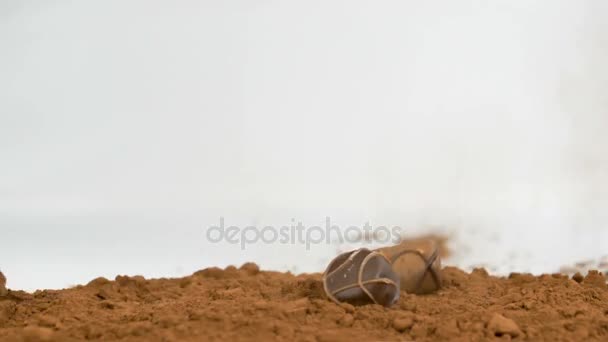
x=361, y=277
x=418, y=265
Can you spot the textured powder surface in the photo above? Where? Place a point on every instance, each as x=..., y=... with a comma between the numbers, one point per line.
x=252, y=305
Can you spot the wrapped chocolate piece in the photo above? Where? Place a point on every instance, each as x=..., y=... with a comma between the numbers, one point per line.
x=361, y=277
x=418, y=265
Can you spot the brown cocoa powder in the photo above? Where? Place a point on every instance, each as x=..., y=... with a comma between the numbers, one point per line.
x=2, y=284
x=248, y=304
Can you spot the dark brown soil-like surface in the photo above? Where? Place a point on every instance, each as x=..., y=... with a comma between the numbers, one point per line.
x=246, y=304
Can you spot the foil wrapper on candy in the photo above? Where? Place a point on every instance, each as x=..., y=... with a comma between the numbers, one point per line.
x=361, y=277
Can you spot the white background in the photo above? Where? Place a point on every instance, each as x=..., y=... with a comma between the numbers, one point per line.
x=129, y=127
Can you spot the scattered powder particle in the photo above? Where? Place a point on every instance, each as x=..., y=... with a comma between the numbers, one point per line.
x=347, y=320
x=401, y=324
x=499, y=325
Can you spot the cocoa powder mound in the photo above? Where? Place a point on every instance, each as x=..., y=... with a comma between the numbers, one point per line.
x=246, y=304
